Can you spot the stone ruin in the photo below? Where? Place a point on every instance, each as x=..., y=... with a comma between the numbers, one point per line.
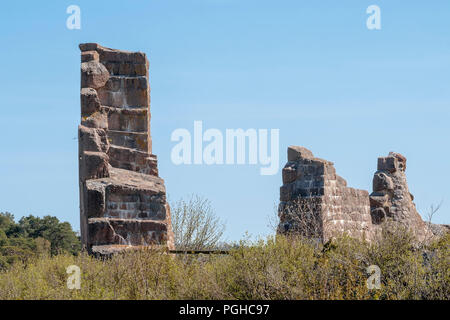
x=391, y=199
x=316, y=202
x=122, y=198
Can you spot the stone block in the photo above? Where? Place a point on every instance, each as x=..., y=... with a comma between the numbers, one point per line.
x=92, y=139
x=378, y=215
x=132, y=140
x=98, y=119
x=296, y=153
x=389, y=164
x=400, y=159
x=289, y=174
x=93, y=74
x=94, y=165
x=133, y=98
x=90, y=102
x=122, y=56
x=131, y=159
x=382, y=182
x=87, y=56
x=88, y=46
x=95, y=199
x=126, y=68
x=131, y=120
x=135, y=232
x=286, y=192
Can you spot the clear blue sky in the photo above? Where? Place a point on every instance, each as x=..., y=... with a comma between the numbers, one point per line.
x=310, y=68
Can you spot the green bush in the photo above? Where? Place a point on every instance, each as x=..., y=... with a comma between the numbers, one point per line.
x=34, y=237
x=277, y=268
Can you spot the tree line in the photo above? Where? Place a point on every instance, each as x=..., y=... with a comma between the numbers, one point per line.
x=34, y=236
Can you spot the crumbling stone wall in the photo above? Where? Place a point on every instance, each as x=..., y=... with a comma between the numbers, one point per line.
x=327, y=206
x=331, y=208
x=122, y=199
x=391, y=200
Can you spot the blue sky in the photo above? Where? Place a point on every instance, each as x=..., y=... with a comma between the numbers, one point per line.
x=310, y=68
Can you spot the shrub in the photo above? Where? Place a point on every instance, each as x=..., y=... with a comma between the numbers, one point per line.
x=195, y=224
x=278, y=268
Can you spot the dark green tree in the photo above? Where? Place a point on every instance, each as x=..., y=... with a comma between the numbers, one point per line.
x=6, y=221
x=3, y=238
x=59, y=234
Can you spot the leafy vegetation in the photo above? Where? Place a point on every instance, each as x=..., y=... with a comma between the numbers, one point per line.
x=277, y=268
x=34, y=236
x=36, y=252
x=195, y=224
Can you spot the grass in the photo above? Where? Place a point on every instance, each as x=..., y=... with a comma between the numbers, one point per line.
x=277, y=268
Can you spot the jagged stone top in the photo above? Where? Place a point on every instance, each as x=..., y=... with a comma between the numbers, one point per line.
x=296, y=153
x=393, y=162
x=108, y=54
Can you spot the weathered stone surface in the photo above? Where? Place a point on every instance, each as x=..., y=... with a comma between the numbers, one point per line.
x=132, y=159
x=92, y=139
x=98, y=119
x=131, y=140
x=88, y=47
x=130, y=120
x=391, y=196
x=122, y=199
x=94, y=165
x=381, y=182
x=112, y=55
x=124, y=98
x=87, y=56
x=93, y=75
x=95, y=199
x=378, y=215
x=341, y=181
x=89, y=101
x=110, y=250
x=296, y=153
x=126, y=68
x=289, y=173
x=316, y=202
x=133, y=232
x=379, y=199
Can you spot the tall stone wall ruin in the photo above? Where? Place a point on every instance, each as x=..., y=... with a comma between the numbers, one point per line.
x=316, y=202
x=122, y=198
x=391, y=200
